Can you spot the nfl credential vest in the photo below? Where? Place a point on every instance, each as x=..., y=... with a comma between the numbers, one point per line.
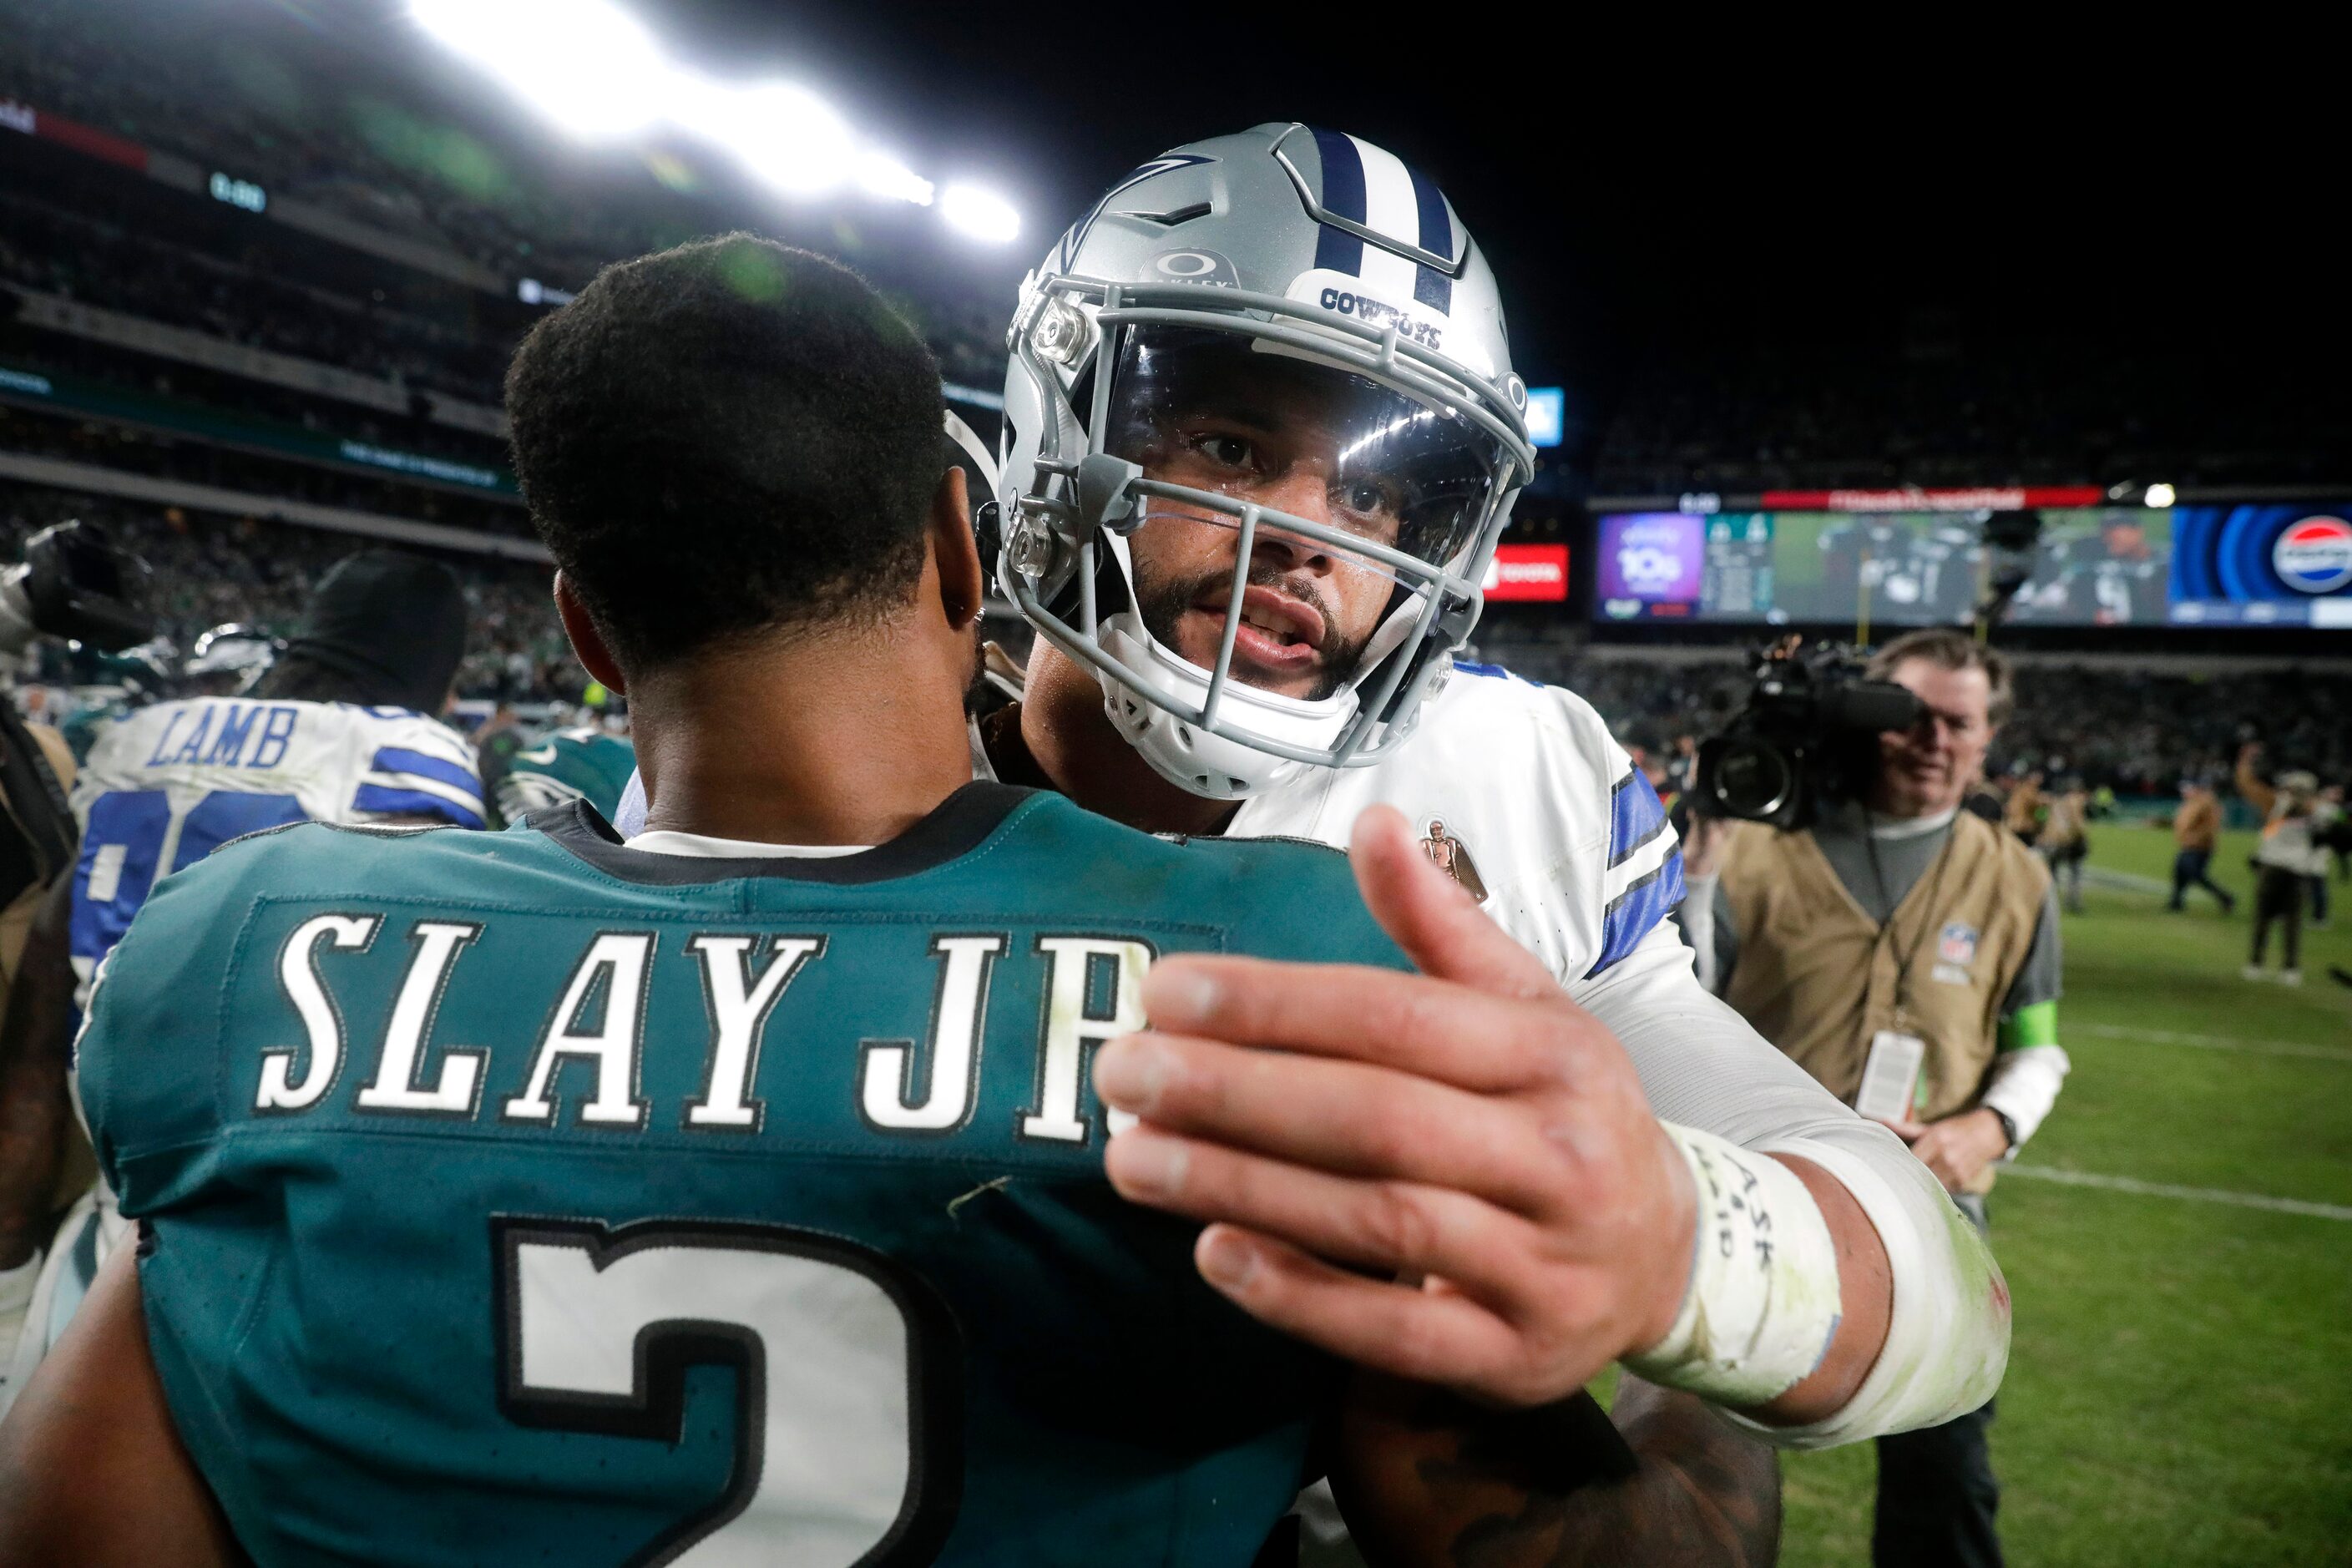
x=1819, y=978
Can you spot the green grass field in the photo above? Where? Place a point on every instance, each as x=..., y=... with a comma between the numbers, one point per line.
x=2180, y=1388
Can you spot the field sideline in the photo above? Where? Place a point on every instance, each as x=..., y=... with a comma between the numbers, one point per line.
x=2181, y=1389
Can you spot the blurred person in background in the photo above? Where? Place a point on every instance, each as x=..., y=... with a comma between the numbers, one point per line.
x=1906, y=952
x=73, y=586
x=2024, y=813
x=2066, y=841
x=2331, y=829
x=2285, y=862
x=2196, y=828
x=342, y=728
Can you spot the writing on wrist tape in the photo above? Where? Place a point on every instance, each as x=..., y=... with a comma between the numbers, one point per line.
x=1763, y=1299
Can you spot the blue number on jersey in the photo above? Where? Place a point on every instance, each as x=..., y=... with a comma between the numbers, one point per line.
x=123, y=845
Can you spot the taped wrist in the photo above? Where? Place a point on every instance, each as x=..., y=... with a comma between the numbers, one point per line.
x=1762, y=1302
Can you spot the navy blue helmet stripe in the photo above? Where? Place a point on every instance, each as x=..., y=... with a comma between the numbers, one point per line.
x=1343, y=175
x=1336, y=250
x=1431, y=286
x=1432, y=289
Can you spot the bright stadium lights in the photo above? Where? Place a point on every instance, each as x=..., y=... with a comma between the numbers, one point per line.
x=2160, y=495
x=789, y=137
x=981, y=214
x=599, y=75
x=581, y=63
x=881, y=174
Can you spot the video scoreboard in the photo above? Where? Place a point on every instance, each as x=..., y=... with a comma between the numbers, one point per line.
x=2244, y=565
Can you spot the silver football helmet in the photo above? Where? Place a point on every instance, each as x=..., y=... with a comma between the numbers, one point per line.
x=1261, y=434
x=233, y=655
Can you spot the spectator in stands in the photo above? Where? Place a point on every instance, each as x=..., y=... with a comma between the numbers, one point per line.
x=2196, y=828
x=2288, y=858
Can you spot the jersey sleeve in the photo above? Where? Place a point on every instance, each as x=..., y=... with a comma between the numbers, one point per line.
x=1630, y=863
x=413, y=767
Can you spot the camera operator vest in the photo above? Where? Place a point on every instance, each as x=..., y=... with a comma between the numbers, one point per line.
x=1819, y=978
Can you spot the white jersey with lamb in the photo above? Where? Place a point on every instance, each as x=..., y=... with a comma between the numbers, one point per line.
x=169, y=784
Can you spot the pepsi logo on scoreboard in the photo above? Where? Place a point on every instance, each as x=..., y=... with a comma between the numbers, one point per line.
x=2314, y=554
x=1533, y=571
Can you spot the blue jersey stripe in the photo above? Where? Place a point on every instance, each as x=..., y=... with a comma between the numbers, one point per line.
x=1636, y=912
x=412, y=803
x=425, y=765
x=1635, y=817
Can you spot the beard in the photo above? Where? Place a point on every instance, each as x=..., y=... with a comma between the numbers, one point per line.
x=1162, y=605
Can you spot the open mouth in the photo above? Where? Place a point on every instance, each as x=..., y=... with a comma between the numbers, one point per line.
x=1278, y=634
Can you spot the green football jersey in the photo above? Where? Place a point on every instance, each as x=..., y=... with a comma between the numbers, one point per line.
x=523, y=1195
x=570, y=765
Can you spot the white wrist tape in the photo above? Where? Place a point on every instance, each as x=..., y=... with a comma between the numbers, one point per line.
x=1947, y=1325
x=1763, y=1301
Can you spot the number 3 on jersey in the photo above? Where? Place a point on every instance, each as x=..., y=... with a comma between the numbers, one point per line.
x=848, y=1378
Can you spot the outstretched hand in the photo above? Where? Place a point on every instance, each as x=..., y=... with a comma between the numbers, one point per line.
x=1453, y=1176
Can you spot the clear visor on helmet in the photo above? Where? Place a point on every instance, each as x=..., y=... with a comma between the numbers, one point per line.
x=1394, y=491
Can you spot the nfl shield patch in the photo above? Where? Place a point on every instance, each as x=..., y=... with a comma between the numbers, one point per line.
x=1958, y=944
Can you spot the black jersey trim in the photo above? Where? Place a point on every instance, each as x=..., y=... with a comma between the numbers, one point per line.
x=961, y=822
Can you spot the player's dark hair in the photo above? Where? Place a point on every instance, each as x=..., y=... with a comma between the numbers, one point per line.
x=724, y=440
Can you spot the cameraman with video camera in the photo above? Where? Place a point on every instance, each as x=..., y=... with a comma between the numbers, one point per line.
x=1903, y=952
x=72, y=583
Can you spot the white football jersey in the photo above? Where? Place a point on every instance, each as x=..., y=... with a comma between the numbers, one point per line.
x=169, y=784
x=1519, y=790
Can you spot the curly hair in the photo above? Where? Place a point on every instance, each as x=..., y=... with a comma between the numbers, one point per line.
x=724, y=441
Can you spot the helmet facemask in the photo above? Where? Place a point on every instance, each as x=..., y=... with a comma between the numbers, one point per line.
x=1273, y=540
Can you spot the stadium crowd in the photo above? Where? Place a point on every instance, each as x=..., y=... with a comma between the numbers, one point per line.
x=2027, y=413
x=209, y=569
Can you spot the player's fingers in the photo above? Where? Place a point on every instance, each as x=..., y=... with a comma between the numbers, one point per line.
x=1432, y=917
x=1424, y=1336
x=1397, y=1227
x=1347, y=1118
x=1434, y=1027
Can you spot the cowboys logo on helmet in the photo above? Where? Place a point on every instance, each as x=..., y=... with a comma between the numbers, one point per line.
x=1262, y=434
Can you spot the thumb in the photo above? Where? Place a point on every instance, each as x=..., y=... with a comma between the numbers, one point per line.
x=1428, y=914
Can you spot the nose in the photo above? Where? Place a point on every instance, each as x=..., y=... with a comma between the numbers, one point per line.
x=1301, y=492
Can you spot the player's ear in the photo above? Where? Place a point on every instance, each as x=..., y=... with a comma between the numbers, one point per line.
x=956, y=551
x=587, y=642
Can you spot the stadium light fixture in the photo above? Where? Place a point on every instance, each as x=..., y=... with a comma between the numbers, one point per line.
x=581, y=63
x=2160, y=495
x=596, y=72
x=881, y=174
x=786, y=135
x=980, y=215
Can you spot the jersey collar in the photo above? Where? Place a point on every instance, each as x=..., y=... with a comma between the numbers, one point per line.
x=956, y=827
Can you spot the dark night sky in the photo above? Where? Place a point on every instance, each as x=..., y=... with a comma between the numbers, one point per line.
x=1666, y=189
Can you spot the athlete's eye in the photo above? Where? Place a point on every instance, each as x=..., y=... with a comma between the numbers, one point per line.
x=1230, y=451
